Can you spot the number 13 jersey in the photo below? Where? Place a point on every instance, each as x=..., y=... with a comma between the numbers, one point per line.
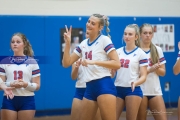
x=130, y=66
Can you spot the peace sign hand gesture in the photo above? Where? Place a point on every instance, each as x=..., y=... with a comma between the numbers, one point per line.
x=67, y=35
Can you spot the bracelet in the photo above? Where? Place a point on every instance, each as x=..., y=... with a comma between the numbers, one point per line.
x=31, y=86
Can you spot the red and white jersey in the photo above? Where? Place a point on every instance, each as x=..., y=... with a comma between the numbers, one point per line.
x=152, y=85
x=80, y=83
x=130, y=66
x=97, y=50
x=20, y=71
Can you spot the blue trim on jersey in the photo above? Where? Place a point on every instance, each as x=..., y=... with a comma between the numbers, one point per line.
x=162, y=59
x=35, y=72
x=18, y=63
x=129, y=52
x=108, y=47
x=78, y=49
x=143, y=61
x=147, y=51
x=2, y=70
x=89, y=44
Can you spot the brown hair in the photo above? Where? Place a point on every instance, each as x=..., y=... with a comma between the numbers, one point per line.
x=28, y=48
x=104, y=22
x=154, y=53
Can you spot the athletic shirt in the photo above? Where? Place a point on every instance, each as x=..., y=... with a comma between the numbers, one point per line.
x=80, y=83
x=151, y=86
x=97, y=50
x=130, y=66
x=24, y=71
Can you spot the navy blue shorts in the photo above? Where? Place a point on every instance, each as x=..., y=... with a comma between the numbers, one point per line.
x=98, y=87
x=149, y=97
x=19, y=103
x=122, y=92
x=79, y=94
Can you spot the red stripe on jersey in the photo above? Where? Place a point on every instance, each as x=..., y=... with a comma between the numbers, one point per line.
x=162, y=59
x=143, y=61
x=2, y=70
x=78, y=49
x=108, y=47
x=35, y=72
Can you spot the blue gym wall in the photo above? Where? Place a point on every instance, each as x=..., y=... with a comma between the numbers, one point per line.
x=43, y=32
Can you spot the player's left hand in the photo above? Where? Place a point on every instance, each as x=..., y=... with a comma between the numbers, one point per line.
x=8, y=92
x=133, y=85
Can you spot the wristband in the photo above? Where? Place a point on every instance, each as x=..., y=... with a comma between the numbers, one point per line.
x=31, y=86
x=8, y=84
x=1, y=81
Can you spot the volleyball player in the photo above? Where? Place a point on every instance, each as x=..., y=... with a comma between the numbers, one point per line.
x=152, y=93
x=98, y=56
x=24, y=75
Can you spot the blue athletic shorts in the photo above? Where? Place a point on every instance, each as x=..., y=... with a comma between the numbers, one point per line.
x=98, y=87
x=79, y=94
x=19, y=103
x=122, y=92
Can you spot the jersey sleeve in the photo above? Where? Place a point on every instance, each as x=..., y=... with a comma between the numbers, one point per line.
x=143, y=61
x=162, y=59
x=108, y=45
x=35, y=70
x=78, y=50
x=178, y=56
x=2, y=69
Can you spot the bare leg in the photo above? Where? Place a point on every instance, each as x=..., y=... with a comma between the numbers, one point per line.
x=157, y=107
x=119, y=107
x=8, y=114
x=89, y=108
x=142, y=113
x=132, y=106
x=26, y=114
x=98, y=115
x=107, y=106
x=76, y=109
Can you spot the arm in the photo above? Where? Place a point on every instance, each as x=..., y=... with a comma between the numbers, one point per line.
x=74, y=72
x=161, y=71
x=176, y=67
x=143, y=75
x=113, y=63
x=67, y=58
x=7, y=90
x=113, y=73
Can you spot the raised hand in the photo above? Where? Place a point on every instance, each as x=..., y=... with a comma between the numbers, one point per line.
x=67, y=35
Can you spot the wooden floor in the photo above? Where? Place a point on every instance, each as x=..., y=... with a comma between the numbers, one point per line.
x=171, y=114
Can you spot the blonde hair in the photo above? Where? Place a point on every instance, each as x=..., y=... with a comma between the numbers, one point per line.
x=136, y=28
x=104, y=22
x=154, y=53
x=28, y=48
